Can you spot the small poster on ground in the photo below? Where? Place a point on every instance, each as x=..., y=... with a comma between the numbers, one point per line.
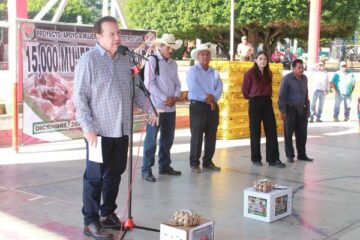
x=281, y=205
x=257, y=206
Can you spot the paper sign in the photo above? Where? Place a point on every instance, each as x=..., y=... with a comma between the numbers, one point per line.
x=95, y=153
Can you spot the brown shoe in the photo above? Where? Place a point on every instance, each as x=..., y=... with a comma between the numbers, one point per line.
x=95, y=231
x=111, y=221
x=196, y=169
x=212, y=166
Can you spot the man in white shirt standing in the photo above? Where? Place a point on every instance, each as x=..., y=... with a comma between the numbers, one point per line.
x=321, y=87
x=245, y=50
x=165, y=89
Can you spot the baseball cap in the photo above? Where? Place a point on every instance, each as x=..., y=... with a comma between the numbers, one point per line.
x=343, y=63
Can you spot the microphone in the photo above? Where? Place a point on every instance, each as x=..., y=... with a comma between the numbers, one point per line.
x=123, y=50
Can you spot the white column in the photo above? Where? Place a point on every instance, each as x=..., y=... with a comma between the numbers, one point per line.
x=232, y=31
x=105, y=9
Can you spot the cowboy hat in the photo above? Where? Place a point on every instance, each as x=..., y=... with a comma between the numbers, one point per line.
x=202, y=47
x=169, y=40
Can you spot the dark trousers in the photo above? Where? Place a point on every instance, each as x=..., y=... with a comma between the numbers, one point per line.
x=167, y=121
x=261, y=110
x=103, y=179
x=202, y=121
x=296, y=121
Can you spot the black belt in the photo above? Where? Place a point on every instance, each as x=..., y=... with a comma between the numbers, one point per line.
x=197, y=102
x=296, y=105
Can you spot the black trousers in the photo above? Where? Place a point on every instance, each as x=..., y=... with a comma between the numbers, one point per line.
x=203, y=123
x=103, y=179
x=261, y=110
x=296, y=121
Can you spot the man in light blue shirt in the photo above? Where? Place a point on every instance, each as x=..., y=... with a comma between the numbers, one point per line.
x=165, y=90
x=343, y=82
x=205, y=88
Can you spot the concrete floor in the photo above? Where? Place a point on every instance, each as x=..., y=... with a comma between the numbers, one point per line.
x=41, y=189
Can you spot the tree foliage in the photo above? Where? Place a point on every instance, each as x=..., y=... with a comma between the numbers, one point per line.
x=263, y=21
x=88, y=9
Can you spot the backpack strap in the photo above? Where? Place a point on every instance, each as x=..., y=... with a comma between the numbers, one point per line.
x=157, y=69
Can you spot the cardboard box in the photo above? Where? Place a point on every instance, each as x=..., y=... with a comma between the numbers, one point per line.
x=268, y=206
x=203, y=231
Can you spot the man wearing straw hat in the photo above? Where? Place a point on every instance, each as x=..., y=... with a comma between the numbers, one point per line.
x=165, y=90
x=205, y=88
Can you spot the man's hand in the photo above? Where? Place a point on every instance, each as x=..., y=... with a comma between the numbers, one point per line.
x=283, y=116
x=212, y=106
x=91, y=137
x=153, y=119
x=210, y=99
x=170, y=101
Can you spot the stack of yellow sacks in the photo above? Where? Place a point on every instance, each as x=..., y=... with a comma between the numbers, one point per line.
x=234, y=119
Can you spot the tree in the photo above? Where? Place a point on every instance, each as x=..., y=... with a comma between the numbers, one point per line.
x=88, y=9
x=263, y=21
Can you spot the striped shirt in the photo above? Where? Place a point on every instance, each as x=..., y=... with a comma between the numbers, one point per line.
x=102, y=93
x=167, y=84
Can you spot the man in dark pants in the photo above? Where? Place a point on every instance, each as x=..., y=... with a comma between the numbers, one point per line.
x=165, y=90
x=102, y=96
x=294, y=107
x=205, y=88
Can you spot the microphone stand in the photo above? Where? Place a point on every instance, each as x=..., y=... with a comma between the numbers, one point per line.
x=129, y=223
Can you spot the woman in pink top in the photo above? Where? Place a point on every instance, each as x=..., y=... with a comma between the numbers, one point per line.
x=257, y=88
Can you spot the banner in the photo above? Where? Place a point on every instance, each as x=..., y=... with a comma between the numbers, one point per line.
x=50, y=53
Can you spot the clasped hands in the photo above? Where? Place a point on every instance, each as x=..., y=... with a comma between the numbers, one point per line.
x=210, y=99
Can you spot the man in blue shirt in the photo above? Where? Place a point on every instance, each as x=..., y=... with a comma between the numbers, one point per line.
x=294, y=107
x=343, y=82
x=205, y=88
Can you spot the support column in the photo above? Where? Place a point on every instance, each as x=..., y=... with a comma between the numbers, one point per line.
x=314, y=32
x=232, y=31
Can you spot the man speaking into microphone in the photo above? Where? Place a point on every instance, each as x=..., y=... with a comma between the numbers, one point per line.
x=102, y=96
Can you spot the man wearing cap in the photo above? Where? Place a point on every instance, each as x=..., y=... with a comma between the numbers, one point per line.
x=165, y=90
x=245, y=50
x=321, y=87
x=205, y=88
x=343, y=82
x=294, y=104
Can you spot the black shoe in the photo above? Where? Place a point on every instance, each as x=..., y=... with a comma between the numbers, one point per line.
x=257, y=163
x=111, y=221
x=277, y=164
x=170, y=171
x=318, y=120
x=212, y=166
x=311, y=119
x=149, y=178
x=346, y=119
x=290, y=160
x=306, y=158
x=95, y=231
